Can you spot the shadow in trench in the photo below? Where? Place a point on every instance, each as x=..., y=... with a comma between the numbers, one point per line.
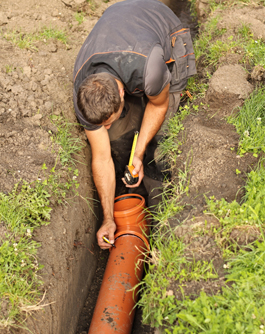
x=182, y=9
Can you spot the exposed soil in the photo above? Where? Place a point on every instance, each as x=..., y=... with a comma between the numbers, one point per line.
x=37, y=82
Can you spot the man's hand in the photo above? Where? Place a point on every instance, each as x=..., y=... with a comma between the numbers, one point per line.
x=107, y=230
x=138, y=169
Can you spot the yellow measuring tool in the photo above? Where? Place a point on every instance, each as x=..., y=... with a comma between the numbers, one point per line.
x=128, y=175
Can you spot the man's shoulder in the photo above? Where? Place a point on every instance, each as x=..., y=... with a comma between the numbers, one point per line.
x=157, y=75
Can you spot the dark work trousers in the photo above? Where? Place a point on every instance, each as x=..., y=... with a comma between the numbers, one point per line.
x=121, y=136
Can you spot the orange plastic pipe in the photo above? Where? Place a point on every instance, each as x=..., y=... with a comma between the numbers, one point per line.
x=114, y=311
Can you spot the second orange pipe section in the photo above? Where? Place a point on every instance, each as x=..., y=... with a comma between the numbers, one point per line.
x=114, y=311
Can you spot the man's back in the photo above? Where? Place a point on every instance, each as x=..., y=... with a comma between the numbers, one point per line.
x=128, y=29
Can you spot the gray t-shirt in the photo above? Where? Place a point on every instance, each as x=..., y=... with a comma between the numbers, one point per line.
x=157, y=76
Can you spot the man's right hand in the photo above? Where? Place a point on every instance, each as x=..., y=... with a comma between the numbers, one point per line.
x=107, y=230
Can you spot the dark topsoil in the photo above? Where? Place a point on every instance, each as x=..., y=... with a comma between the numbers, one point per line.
x=35, y=84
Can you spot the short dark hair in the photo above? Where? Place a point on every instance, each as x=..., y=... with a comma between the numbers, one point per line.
x=98, y=97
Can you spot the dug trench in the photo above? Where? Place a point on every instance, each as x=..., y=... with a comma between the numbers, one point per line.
x=35, y=83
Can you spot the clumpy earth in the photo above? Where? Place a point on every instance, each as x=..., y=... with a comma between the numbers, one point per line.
x=36, y=82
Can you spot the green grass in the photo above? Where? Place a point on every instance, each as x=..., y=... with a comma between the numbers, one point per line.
x=70, y=145
x=21, y=40
x=238, y=309
x=196, y=87
x=92, y=4
x=170, y=147
x=250, y=213
x=9, y=68
x=52, y=33
x=28, y=41
x=80, y=17
x=250, y=123
x=23, y=210
x=203, y=45
x=214, y=5
x=168, y=265
x=210, y=45
x=253, y=48
x=63, y=176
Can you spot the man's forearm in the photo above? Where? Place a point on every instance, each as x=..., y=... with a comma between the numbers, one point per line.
x=152, y=122
x=104, y=178
x=153, y=119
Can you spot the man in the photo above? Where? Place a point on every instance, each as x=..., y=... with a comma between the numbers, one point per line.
x=134, y=63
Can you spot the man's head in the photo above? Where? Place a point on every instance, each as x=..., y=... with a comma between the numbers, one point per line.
x=99, y=97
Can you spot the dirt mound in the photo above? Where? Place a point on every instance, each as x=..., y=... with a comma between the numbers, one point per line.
x=228, y=88
x=214, y=164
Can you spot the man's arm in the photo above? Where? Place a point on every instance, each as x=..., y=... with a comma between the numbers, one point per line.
x=153, y=119
x=104, y=178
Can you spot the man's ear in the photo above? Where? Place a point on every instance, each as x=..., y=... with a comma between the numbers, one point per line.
x=121, y=91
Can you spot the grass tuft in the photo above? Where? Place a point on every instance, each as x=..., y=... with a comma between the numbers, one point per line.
x=250, y=123
x=80, y=17
x=28, y=41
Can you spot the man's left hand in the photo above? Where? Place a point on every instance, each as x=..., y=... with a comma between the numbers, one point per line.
x=138, y=169
x=107, y=230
